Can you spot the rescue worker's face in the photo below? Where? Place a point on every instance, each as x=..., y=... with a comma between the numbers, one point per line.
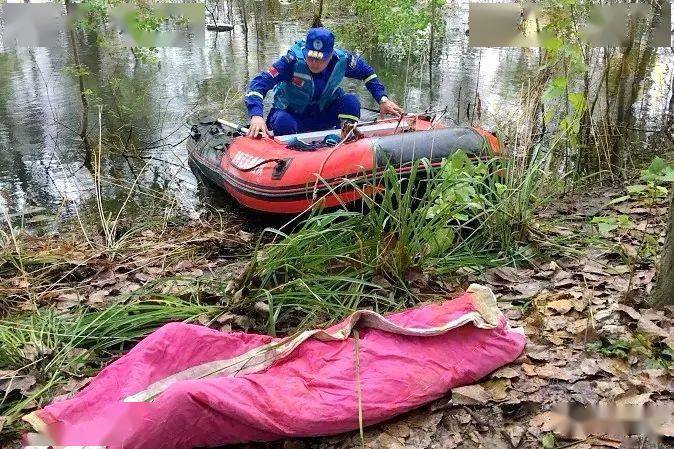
x=317, y=65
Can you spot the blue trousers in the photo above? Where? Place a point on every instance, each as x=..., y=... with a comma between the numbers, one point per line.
x=283, y=122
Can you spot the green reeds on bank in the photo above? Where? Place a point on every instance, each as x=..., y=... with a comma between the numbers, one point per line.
x=463, y=214
x=50, y=347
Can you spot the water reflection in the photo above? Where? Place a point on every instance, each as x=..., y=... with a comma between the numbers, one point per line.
x=145, y=105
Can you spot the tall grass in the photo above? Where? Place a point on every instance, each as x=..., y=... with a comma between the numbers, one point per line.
x=321, y=271
x=464, y=214
x=53, y=347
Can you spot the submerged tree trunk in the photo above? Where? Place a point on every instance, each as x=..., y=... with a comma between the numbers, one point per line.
x=669, y=126
x=244, y=17
x=84, y=116
x=431, y=51
x=671, y=99
x=637, y=60
x=84, y=122
x=664, y=290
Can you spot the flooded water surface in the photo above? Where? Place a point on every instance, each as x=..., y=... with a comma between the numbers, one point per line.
x=144, y=106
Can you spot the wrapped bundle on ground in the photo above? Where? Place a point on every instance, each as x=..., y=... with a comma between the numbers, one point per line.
x=188, y=386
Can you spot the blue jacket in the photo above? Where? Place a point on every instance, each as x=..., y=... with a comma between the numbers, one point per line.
x=296, y=95
x=303, y=92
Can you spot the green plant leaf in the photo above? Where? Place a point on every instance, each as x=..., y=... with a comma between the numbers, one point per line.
x=620, y=199
x=548, y=441
x=577, y=100
x=556, y=89
x=552, y=44
x=667, y=174
x=606, y=225
x=657, y=165
x=637, y=189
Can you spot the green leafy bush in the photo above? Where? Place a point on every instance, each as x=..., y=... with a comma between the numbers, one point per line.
x=399, y=27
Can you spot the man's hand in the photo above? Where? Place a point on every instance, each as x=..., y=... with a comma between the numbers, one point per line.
x=387, y=107
x=258, y=127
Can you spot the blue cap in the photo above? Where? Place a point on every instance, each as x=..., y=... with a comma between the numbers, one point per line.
x=319, y=44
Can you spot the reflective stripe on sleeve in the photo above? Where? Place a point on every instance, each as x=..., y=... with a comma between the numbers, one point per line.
x=253, y=93
x=370, y=78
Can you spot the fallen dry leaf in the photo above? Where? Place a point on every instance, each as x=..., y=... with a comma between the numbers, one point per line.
x=615, y=367
x=515, y=434
x=17, y=383
x=497, y=388
x=225, y=318
x=245, y=236
x=144, y=277
x=399, y=430
x=506, y=372
x=126, y=287
x=557, y=322
x=578, y=326
x=384, y=440
x=67, y=301
x=556, y=338
x=589, y=366
x=550, y=371
x=650, y=328
x=560, y=306
x=538, y=353
x=184, y=265
x=529, y=370
x=154, y=271
x=506, y=276
x=627, y=405
x=71, y=387
x=98, y=298
x=548, y=421
x=630, y=311
x=470, y=395
x=594, y=267
x=580, y=303
x=261, y=307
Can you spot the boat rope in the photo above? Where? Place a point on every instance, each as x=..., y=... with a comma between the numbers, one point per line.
x=329, y=155
x=325, y=160
x=402, y=116
x=359, y=386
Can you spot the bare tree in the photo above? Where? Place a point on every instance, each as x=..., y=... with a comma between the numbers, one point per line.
x=664, y=291
x=669, y=128
x=84, y=116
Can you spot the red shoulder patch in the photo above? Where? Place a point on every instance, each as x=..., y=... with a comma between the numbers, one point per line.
x=272, y=71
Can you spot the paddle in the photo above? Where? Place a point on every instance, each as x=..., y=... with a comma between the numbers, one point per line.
x=238, y=128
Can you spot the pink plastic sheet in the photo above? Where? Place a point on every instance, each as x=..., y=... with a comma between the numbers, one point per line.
x=189, y=386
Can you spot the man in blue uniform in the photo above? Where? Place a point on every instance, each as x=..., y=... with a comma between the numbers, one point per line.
x=307, y=92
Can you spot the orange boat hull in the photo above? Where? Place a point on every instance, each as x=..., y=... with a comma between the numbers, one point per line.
x=267, y=175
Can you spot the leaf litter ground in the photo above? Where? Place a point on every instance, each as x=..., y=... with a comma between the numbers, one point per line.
x=593, y=340
x=594, y=344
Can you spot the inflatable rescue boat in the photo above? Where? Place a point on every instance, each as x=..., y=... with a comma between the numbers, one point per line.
x=290, y=174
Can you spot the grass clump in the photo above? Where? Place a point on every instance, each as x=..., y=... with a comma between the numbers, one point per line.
x=40, y=352
x=464, y=214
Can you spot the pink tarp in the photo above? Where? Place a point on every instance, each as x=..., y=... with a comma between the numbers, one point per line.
x=189, y=386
